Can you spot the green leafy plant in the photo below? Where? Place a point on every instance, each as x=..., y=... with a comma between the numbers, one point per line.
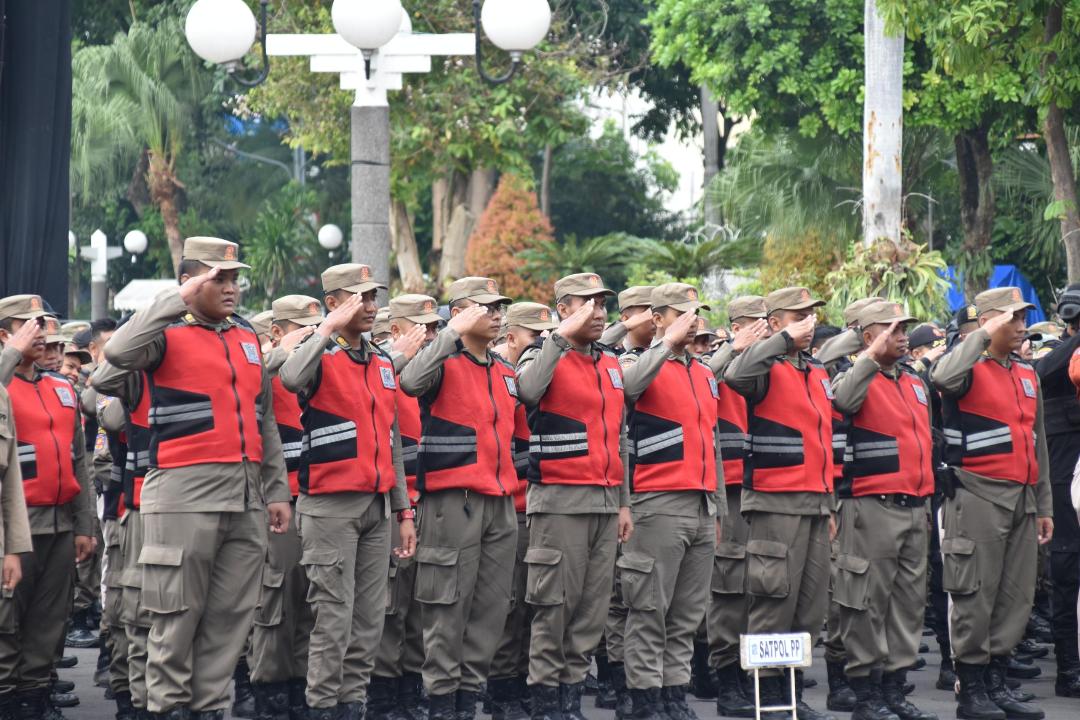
x=280, y=246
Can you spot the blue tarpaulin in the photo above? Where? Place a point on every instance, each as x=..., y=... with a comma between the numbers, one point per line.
x=1003, y=276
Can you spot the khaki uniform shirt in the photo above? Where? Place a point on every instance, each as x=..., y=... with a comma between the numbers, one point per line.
x=15, y=529
x=299, y=373
x=839, y=347
x=139, y=344
x=534, y=372
x=952, y=376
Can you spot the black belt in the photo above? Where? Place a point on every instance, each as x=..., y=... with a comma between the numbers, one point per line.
x=902, y=500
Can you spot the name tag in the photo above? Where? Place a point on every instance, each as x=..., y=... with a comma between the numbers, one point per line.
x=251, y=353
x=388, y=380
x=828, y=388
x=511, y=386
x=1029, y=387
x=616, y=378
x=66, y=396
x=714, y=387
x=920, y=393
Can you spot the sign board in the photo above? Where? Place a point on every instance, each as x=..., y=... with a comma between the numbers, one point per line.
x=784, y=650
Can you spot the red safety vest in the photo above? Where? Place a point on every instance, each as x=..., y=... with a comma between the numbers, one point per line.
x=45, y=412
x=990, y=429
x=575, y=428
x=138, y=446
x=468, y=428
x=791, y=431
x=731, y=423
x=206, y=397
x=348, y=425
x=408, y=409
x=290, y=429
x=521, y=456
x=889, y=445
x=671, y=430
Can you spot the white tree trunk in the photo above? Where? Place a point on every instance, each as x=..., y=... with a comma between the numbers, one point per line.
x=710, y=131
x=883, y=128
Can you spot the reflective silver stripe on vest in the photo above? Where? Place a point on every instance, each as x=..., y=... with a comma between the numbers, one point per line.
x=877, y=448
x=292, y=449
x=776, y=444
x=137, y=459
x=988, y=438
x=331, y=434
x=954, y=437
x=656, y=443
x=733, y=441
x=180, y=413
x=839, y=440
x=446, y=444
x=521, y=459
x=27, y=453
x=550, y=444
x=408, y=453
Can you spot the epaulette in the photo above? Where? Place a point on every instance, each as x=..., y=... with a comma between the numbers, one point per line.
x=501, y=360
x=241, y=321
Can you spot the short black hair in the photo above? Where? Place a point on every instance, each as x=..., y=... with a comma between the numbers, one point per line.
x=7, y=323
x=459, y=303
x=823, y=333
x=102, y=325
x=284, y=325
x=190, y=268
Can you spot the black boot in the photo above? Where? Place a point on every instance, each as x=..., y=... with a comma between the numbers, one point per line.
x=806, y=712
x=869, y=700
x=442, y=707
x=973, y=703
x=243, y=700
x=82, y=633
x=30, y=704
x=351, y=711
x=505, y=699
x=544, y=703
x=623, y=706
x=208, y=714
x=646, y=704
x=841, y=697
x=892, y=683
x=271, y=700
x=124, y=709
x=946, y=679
x=297, y=694
x=1000, y=695
x=101, y=670
x=730, y=699
x=465, y=704
x=1067, y=684
x=411, y=696
x=605, y=693
x=570, y=700
x=7, y=706
x=675, y=705
x=382, y=699
x=176, y=713
x=326, y=713
x=702, y=677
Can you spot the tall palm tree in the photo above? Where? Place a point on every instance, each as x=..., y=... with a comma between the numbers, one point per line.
x=142, y=94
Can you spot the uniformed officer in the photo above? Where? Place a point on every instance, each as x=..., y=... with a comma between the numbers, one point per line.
x=840, y=348
x=578, y=501
x=788, y=480
x=525, y=322
x=675, y=472
x=634, y=330
x=728, y=603
x=396, y=689
x=58, y=494
x=351, y=479
x=380, y=331
x=465, y=475
x=1000, y=503
x=283, y=619
x=75, y=357
x=704, y=338
x=215, y=458
x=261, y=322
x=1062, y=422
x=880, y=583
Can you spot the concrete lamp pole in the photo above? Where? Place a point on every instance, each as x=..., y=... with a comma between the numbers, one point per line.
x=373, y=49
x=99, y=254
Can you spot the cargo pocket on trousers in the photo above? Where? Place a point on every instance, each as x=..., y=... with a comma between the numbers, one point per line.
x=960, y=572
x=271, y=597
x=544, y=585
x=163, y=579
x=391, y=587
x=729, y=569
x=852, y=581
x=437, y=575
x=767, y=569
x=325, y=580
x=637, y=579
x=9, y=616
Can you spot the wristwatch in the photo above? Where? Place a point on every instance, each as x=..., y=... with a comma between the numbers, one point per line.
x=404, y=515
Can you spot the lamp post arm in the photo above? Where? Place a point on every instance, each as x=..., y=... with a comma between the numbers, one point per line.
x=490, y=79
x=265, y=72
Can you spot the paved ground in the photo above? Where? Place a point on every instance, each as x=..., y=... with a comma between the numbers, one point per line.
x=95, y=707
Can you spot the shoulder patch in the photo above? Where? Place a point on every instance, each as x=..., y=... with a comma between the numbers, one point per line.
x=511, y=385
x=827, y=385
x=66, y=395
x=1029, y=387
x=920, y=393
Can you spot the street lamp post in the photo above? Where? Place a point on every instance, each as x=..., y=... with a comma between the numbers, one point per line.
x=373, y=48
x=99, y=254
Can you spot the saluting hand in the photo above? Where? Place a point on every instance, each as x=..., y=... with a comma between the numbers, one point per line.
x=12, y=571
x=340, y=316
x=678, y=333
x=280, y=513
x=292, y=339
x=635, y=321
x=468, y=319
x=407, y=533
x=571, y=326
x=24, y=337
x=876, y=350
x=802, y=332
x=997, y=322
x=194, y=284
x=409, y=343
x=933, y=354
x=749, y=335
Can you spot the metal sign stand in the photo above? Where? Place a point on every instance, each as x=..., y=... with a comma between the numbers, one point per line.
x=781, y=651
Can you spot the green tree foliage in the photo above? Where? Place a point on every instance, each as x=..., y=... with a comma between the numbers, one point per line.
x=607, y=255
x=280, y=246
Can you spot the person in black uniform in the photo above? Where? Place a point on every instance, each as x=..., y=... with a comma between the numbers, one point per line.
x=1062, y=426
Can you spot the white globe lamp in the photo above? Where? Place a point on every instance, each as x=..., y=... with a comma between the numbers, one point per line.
x=516, y=26
x=330, y=237
x=220, y=31
x=135, y=242
x=367, y=24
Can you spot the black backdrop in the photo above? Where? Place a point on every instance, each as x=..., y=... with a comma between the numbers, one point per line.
x=35, y=148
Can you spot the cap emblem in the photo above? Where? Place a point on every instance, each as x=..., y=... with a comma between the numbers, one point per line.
x=545, y=316
x=1016, y=295
x=897, y=310
x=429, y=306
x=313, y=308
x=230, y=252
x=804, y=295
x=594, y=281
x=491, y=286
x=691, y=294
x=52, y=327
x=35, y=303
x=365, y=273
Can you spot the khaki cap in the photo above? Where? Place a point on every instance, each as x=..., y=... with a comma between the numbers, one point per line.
x=300, y=309
x=382, y=322
x=851, y=312
x=420, y=309
x=1046, y=327
x=882, y=312
x=747, y=306
x=530, y=315
x=703, y=329
x=791, y=298
x=260, y=322
x=680, y=296
x=636, y=296
x=22, y=307
x=70, y=329
x=52, y=331
x=481, y=290
x=84, y=355
x=581, y=285
x=1005, y=299
x=214, y=252
x=350, y=277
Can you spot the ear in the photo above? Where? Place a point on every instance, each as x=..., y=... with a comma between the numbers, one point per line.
x=455, y=310
x=331, y=302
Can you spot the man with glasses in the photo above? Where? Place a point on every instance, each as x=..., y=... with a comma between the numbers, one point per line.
x=466, y=478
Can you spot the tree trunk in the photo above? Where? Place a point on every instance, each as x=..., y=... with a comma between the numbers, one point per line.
x=545, y=182
x=710, y=132
x=440, y=189
x=456, y=242
x=1061, y=168
x=164, y=191
x=975, y=165
x=408, y=256
x=481, y=188
x=883, y=125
